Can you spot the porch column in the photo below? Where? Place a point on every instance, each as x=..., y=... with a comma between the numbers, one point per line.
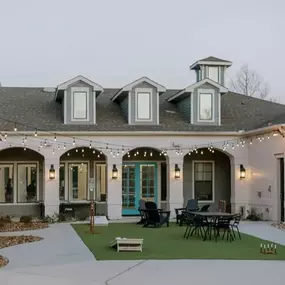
x=240, y=188
x=175, y=185
x=51, y=186
x=114, y=195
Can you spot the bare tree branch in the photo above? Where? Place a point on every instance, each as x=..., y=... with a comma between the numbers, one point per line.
x=249, y=82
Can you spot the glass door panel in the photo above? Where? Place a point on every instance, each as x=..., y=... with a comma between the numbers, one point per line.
x=27, y=183
x=62, y=182
x=6, y=184
x=129, y=189
x=78, y=180
x=101, y=182
x=148, y=182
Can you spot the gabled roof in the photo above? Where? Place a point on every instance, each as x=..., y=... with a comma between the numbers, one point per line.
x=64, y=85
x=192, y=87
x=211, y=60
x=238, y=112
x=129, y=87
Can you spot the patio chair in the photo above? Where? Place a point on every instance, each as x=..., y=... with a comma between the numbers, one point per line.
x=154, y=216
x=142, y=213
x=192, y=206
x=205, y=208
x=235, y=224
x=198, y=226
x=224, y=223
x=189, y=220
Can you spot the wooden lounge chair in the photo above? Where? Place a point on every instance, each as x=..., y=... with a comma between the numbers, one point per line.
x=154, y=216
x=192, y=206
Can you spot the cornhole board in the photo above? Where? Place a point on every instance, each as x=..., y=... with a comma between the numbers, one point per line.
x=127, y=244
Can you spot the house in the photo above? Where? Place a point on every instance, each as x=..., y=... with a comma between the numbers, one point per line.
x=81, y=141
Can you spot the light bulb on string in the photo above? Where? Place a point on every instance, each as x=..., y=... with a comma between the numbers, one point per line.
x=25, y=138
x=15, y=128
x=36, y=133
x=58, y=147
x=94, y=151
x=68, y=154
x=73, y=142
x=76, y=150
x=41, y=145
x=118, y=152
x=90, y=145
x=144, y=154
x=233, y=146
x=54, y=138
x=123, y=151
x=82, y=150
x=45, y=144
x=64, y=146
x=53, y=152
x=150, y=153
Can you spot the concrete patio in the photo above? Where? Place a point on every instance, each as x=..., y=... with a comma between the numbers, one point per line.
x=62, y=258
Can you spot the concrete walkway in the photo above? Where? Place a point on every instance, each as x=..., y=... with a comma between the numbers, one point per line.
x=61, y=258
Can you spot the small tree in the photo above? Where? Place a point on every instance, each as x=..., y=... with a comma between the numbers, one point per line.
x=250, y=83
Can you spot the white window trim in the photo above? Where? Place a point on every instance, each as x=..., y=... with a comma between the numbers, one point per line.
x=213, y=179
x=80, y=89
x=144, y=90
x=68, y=162
x=15, y=180
x=218, y=73
x=206, y=91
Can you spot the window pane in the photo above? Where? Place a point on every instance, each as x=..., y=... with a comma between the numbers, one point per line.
x=6, y=184
x=61, y=182
x=205, y=110
x=80, y=105
x=101, y=182
x=203, y=185
x=143, y=106
x=78, y=180
x=214, y=73
x=27, y=183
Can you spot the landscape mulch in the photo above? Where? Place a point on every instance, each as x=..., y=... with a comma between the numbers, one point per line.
x=3, y=261
x=280, y=226
x=18, y=226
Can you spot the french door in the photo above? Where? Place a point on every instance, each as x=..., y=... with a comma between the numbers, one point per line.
x=139, y=181
x=6, y=183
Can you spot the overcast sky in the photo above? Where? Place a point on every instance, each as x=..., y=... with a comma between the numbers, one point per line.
x=43, y=43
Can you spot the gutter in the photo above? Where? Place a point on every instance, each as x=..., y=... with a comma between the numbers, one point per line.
x=279, y=128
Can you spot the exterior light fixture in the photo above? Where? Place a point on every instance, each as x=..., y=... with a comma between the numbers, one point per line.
x=176, y=171
x=51, y=172
x=242, y=172
x=275, y=134
x=114, y=172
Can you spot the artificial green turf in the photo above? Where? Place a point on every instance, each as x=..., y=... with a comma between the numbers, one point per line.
x=168, y=243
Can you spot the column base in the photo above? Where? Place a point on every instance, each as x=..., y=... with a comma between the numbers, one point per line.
x=50, y=210
x=172, y=207
x=114, y=212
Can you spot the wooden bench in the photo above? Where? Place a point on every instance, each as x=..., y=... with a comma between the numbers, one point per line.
x=127, y=244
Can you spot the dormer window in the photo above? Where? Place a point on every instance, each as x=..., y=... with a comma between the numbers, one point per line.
x=78, y=98
x=144, y=105
x=213, y=73
x=139, y=101
x=205, y=106
x=80, y=106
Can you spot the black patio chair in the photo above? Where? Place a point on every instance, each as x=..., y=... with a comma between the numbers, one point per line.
x=224, y=223
x=189, y=221
x=141, y=211
x=192, y=206
x=205, y=208
x=235, y=224
x=199, y=223
x=155, y=217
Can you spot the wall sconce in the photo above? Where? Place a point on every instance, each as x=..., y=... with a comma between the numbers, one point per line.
x=176, y=171
x=51, y=172
x=114, y=172
x=242, y=172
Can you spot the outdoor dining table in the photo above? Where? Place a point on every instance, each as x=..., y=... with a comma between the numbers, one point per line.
x=213, y=216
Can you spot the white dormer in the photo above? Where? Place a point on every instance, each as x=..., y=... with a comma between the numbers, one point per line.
x=78, y=96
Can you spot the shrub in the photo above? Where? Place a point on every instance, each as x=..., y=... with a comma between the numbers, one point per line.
x=6, y=219
x=26, y=219
x=61, y=217
x=2, y=224
x=253, y=216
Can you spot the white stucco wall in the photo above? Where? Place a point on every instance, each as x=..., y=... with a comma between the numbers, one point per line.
x=241, y=189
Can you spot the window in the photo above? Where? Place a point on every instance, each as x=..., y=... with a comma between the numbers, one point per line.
x=101, y=182
x=143, y=106
x=79, y=105
x=203, y=180
x=205, y=106
x=78, y=181
x=61, y=182
x=27, y=183
x=6, y=184
x=214, y=73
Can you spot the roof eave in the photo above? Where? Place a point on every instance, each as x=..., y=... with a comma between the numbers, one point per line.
x=202, y=62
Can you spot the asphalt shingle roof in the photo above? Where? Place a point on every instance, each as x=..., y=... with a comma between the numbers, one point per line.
x=37, y=109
